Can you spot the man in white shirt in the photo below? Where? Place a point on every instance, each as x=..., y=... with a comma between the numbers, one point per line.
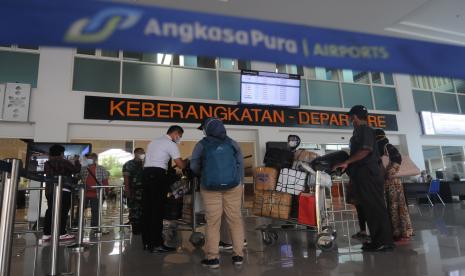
x=159, y=153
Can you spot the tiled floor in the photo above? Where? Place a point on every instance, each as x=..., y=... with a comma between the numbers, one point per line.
x=437, y=249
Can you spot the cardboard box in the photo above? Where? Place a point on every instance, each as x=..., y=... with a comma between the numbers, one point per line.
x=305, y=155
x=272, y=204
x=265, y=178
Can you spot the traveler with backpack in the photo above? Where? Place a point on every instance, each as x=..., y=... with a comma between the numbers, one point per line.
x=219, y=161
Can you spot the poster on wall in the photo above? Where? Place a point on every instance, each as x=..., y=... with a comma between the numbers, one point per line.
x=2, y=96
x=16, y=102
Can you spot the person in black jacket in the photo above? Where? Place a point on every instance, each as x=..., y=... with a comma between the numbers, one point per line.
x=394, y=191
x=367, y=178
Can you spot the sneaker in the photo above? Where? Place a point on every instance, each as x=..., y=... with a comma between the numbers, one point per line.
x=46, y=237
x=66, y=237
x=225, y=246
x=237, y=260
x=163, y=249
x=213, y=263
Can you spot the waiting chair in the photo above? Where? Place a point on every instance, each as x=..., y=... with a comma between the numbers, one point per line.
x=433, y=190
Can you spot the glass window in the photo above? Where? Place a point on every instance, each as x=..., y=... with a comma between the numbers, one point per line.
x=188, y=61
x=454, y=162
x=433, y=159
x=244, y=65
x=385, y=98
x=19, y=67
x=323, y=93
x=281, y=68
x=355, y=76
x=321, y=73
x=303, y=92
x=206, y=62
x=90, y=52
x=195, y=84
x=421, y=82
x=355, y=94
x=106, y=53
x=388, y=79
x=29, y=47
x=145, y=79
x=227, y=63
x=460, y=86
x=441, y=84
x=376, y=78
x=5, y=45
x=96, y=75
x=423, y=101
x=462, y=103
x=446, y=103
x=230, y=86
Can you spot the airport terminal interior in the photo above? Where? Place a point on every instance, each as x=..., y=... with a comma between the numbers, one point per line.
x=298, y=212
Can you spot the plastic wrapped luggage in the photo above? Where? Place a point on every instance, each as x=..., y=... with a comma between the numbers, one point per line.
x=326, y=162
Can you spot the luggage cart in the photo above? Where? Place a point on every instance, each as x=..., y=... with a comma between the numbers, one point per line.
x=325, y=239
x=197, y=239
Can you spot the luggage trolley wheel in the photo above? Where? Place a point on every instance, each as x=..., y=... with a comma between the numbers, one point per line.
x=269, y=237
x=325, y=241
x=329, y=230
x=197, y=239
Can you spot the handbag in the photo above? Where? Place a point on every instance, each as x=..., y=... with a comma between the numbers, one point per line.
x=407, y=167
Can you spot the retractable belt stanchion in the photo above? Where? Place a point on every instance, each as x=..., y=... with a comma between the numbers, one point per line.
x=121, y=207
x=79, y=247
x=10, y=186
x=56, y=227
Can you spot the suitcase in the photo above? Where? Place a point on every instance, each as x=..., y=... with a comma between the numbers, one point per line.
x=278, y=158
x=326, y=162
x=307, y=209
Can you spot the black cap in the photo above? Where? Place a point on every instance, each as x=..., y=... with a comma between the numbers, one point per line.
x=358, y=110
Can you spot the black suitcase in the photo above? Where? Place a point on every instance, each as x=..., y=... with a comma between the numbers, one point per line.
x=278, y=158
x=326, y=162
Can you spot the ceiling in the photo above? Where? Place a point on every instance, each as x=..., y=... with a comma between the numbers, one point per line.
x=438, y=20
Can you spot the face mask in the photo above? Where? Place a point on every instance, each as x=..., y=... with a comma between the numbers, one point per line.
x=177, y=140
x=90, y=161
x=292, y=144
x=141, y=156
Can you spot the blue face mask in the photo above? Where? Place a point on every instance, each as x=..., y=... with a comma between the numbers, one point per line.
x=90, y=161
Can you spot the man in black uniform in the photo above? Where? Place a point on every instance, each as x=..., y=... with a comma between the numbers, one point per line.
x=367, y=178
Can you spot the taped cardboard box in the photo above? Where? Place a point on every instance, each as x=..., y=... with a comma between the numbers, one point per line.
x=265, y=178
x=272, y=204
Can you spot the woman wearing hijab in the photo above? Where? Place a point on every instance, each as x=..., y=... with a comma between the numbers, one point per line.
x=395, y=199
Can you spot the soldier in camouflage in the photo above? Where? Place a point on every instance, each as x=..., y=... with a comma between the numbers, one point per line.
x=132, y=172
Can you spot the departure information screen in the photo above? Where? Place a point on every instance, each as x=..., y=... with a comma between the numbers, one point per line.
x=266, y=88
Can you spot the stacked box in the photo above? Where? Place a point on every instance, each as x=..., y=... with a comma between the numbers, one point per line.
x=265, y=178
x=272, y=204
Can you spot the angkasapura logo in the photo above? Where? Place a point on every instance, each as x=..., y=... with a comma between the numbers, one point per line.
x=102, y=25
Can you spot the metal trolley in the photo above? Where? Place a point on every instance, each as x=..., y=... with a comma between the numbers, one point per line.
x=197, y=238
x=325, y=238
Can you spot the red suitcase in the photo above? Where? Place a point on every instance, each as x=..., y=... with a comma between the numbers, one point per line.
x=307, y=209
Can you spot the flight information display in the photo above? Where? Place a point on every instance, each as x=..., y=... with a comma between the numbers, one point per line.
x=267, y=88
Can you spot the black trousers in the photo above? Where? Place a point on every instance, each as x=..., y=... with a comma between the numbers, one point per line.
x=154, y=182
x=369, y=185
x=65, y=206
x=94, y=210
x=362, y=221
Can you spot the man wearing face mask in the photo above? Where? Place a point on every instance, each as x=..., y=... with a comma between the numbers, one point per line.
x=132, y=172
x=367, y=180
x=293, y=141
x=93, y=175
x=160, y=152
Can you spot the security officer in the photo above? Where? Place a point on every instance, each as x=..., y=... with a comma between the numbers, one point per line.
x=155, y=186
x=132, y=172
x=364, y=168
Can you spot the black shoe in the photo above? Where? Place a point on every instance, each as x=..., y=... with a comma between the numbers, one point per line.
x=163, y=249
x=225, y=246
x=360, y=236
x=237, y=260
x=213, y=263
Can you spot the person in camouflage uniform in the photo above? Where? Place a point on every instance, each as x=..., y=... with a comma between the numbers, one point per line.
x=132, y=172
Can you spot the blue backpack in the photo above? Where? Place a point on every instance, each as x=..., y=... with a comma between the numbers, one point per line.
x=219, y=167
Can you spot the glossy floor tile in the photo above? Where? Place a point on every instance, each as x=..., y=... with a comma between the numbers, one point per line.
x=438, y=248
